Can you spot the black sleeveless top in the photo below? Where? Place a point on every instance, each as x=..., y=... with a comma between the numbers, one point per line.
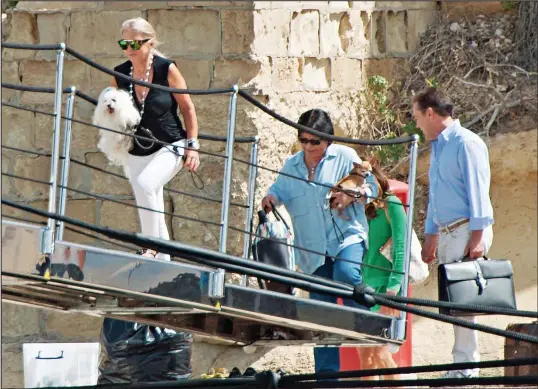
x=160, y=111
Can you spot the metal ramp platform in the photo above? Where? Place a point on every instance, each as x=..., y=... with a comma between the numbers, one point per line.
x=176, y=295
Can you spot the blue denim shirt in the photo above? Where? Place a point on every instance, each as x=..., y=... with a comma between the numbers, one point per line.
x=459, y=180
x=305, y=202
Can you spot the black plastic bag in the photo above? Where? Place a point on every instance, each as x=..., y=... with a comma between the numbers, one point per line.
x=133, y=352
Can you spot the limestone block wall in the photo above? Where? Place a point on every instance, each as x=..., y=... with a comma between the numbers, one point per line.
x=293, y=56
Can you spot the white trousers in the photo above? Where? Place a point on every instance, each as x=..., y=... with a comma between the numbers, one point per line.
x=450, y=249
x=148, y=176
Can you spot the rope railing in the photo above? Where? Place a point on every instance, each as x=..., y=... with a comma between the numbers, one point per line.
x=321, y=184
x=237, y=229
x=107, y=172
x=252, y=234
x=350, y=192
x=84, y=96
x=289, y=379
x=162, y=143
x=105, y=198
x=307, y=282
x=104, y=69
x=76, y=231
x=242, y=93
x=25, y=46
x=322, y=135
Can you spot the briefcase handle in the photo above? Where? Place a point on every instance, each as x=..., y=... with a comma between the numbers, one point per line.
x=467, y=259
x=480, y=280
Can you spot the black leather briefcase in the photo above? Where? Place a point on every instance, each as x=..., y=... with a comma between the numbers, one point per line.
x=485, y=282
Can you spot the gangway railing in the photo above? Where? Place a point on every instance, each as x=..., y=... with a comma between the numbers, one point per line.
x=53, y=233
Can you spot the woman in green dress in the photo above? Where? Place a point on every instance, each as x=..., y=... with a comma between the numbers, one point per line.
x=386, y=239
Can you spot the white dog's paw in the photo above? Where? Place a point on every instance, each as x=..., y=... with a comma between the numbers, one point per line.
x=135, y=121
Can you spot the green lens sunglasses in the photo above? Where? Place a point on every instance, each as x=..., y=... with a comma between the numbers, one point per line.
x=135, y=44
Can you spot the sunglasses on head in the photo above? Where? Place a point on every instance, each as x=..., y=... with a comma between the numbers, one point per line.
x=135, y=44
x=313, y=142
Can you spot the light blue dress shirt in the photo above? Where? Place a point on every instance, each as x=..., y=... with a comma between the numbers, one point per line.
x=305, y=202
x=459, y=178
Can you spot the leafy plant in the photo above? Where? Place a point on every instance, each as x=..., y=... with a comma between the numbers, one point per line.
x=411, y=129
x=508, y=5
x=8, y=4
x=383, y=120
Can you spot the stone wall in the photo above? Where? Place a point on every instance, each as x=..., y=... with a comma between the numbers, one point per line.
x=294, y=56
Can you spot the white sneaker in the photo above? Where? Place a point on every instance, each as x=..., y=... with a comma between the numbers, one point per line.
x=459, y=374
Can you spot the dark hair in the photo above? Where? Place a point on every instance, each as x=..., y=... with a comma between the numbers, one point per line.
x=434, y=99
x=384, y=191
x=318, y=120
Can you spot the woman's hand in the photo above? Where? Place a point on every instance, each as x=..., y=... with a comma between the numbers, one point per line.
x=267, y=203
x=341, y=200
x=192, y=160
x=384, y=310
x=389, y=311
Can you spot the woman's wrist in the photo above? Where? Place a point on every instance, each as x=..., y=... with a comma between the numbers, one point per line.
x=193, y=143
x=392, y=292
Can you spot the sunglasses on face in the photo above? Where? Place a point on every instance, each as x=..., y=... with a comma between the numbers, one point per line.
x=135, y=44
x=313, y=142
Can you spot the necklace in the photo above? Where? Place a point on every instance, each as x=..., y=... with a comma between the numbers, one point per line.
x=312, y=170
x=142, y=100
x=131, y=87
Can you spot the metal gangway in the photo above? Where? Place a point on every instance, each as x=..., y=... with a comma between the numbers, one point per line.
x=41, y=268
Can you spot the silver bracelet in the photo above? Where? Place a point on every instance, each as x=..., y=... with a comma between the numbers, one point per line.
x=193, y=143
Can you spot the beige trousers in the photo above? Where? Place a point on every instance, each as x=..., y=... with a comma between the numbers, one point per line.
x=450, y=249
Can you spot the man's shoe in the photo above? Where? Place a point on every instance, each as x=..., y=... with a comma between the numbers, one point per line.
x=235, y=373
x=458, y=374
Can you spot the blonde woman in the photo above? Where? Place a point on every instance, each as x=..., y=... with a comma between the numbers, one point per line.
x=151, y=165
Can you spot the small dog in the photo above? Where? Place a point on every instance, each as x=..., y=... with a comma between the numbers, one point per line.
x=352, y=182
x=115, y=110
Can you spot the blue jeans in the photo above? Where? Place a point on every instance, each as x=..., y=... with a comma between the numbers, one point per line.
x=328, y=358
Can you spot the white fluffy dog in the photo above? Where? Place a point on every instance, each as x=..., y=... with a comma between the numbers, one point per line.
x=115, y=110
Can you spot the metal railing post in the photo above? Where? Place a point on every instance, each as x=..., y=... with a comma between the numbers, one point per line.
x=252, y=175
x=401, y=325
x=226, y=186
x=53, y=181
x=65, y=164
x=217, y=281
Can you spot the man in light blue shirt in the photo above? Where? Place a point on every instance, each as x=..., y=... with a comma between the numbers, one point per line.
x=316, y=227
x=459, y=218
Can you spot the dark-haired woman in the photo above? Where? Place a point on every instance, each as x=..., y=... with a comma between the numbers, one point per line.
x=316, y=226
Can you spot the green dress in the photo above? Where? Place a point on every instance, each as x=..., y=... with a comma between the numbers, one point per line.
x=380, y=230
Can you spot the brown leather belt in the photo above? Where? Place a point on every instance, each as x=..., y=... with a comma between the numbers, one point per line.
x=451, y=227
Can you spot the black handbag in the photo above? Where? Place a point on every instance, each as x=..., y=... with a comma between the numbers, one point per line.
x=273, y=249
x=485, y=282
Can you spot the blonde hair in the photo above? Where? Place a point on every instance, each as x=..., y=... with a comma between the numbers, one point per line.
x=143, y=27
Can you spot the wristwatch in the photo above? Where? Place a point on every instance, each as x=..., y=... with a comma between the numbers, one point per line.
x=193, y=143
